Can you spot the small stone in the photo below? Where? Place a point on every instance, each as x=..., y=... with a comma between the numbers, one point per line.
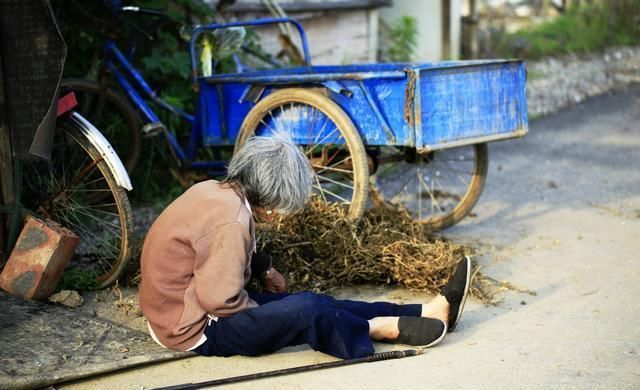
x=69, y=298
x=523, y=302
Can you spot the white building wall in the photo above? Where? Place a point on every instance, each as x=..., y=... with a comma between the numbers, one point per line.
x=335, y=37
x=456, y=28
x=428, y=14
x=341, y=37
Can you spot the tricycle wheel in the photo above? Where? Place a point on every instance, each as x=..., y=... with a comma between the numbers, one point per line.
x=327, y=137
x=438, y=188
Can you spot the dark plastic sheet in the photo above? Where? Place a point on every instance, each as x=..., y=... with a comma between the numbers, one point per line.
x=33, y=54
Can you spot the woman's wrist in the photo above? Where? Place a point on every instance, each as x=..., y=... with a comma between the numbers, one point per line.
x=260, y=263
x=266, y=273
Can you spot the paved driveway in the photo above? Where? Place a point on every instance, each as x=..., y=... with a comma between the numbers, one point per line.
x=560, y=215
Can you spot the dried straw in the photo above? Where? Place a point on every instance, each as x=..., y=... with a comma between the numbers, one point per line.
x=319, y=249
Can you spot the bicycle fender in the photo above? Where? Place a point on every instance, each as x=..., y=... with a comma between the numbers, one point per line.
x=104, y=148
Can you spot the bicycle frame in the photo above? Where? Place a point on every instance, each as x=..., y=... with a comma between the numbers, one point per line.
x=131, y=82
x=123, y=71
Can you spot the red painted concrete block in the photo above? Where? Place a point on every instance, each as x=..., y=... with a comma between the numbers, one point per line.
x=38, y=259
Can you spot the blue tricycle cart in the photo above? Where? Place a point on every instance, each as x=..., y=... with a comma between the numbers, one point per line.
x=417, y=132
x=420, y=130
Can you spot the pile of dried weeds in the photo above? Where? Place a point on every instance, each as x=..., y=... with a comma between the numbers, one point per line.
x=319, y=249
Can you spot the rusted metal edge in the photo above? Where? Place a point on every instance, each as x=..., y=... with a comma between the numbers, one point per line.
x=417, y=111
x=518, y=133
x=409, y=99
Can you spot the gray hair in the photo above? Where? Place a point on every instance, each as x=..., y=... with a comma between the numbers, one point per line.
x=273, y=172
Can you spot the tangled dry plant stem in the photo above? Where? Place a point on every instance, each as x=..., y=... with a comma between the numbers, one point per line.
x=319, y=249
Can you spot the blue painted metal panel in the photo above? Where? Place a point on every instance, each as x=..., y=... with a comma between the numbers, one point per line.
x=221, y=112
x=208, y=115
x=388, y=96
x=234, y=109
x=390, y=104
x=472, y=102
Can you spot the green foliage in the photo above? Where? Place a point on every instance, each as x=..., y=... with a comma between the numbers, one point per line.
x=578, y=30
x=79, y=279
x=404, y=39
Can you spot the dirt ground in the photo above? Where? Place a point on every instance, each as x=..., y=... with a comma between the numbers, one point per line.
x=117, y=304
x=560, y=215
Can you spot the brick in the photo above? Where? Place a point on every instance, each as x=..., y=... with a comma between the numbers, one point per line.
x=38, y=259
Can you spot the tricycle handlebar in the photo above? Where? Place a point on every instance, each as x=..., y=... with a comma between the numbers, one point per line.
x=259, y=22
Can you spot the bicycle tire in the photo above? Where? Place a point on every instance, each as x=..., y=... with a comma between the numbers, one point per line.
x=62, y=190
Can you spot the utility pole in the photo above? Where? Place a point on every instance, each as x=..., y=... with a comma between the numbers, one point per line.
x=446, y=29
x=473, y=28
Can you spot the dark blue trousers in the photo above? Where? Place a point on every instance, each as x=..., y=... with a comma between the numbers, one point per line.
x=335, y=327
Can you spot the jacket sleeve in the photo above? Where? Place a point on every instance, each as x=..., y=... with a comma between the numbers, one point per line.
x=221, y=270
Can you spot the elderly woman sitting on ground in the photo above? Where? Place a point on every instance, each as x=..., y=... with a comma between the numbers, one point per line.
x=200, y=253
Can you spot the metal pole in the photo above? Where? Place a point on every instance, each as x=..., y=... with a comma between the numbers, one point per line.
x=446, y=30
x=294, y=370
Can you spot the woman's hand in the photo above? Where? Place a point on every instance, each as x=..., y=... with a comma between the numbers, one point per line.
x=272, y=281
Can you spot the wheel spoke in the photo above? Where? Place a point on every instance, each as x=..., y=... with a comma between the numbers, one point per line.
x=325, y=168
x=437, y=190
x=337, y=182
x=457, y=172
x=319, y=187
x=324, y=189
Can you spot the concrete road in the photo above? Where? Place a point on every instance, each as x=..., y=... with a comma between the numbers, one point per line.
x=560, y=215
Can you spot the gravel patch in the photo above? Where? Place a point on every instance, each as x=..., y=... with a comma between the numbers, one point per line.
x=557, y=82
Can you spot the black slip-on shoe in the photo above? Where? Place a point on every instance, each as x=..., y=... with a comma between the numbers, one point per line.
x=456, y=291
x=420, y=331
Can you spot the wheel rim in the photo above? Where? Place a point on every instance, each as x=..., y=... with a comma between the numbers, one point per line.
x=64, y=190
x=324, y=144
x=431, y=187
